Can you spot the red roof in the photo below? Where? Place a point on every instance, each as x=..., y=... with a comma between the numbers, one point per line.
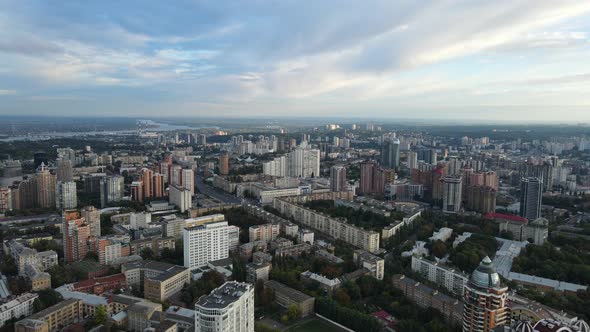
x=512, y=217
x=385, y=317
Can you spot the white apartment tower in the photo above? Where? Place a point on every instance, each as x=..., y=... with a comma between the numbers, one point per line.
x=205, y=243
x=228, y=308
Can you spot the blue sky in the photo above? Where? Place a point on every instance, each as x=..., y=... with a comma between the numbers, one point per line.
x=497, y=60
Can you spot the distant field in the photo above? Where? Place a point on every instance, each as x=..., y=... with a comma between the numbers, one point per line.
x=315, y=325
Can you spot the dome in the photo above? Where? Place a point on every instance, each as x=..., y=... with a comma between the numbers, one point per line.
x=523, y=327
x=581, y=325
x=485, y=276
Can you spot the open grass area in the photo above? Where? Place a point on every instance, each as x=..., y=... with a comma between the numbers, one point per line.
x=315, y=325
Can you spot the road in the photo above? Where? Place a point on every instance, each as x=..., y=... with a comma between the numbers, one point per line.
x=218, y=194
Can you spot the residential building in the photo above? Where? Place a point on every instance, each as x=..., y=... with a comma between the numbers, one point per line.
x=303, y=162
x=485, y=300
x=65, y=195
x=228, y=308
x=181, y=197
x=136, y=189
x=20, y=306
x=156, y=244
x=453, y=281
x=92, y=217
x=328, y=285
x=368, y=240
x=390, y=153
x=257, y=271
x=374, y=264
x=338, y=178
x=276, y=167
x=188, y=180
x=111, y=189
x=205, y=243
x=75, y=236
x=426, y=297
x=265, y=232
x=224, y=164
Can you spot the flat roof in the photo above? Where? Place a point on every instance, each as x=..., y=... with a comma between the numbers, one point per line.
x=224, y=295
x=292, y=293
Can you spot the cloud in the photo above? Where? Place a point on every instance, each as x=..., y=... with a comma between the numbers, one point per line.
x=7, y=92
x=210, y=53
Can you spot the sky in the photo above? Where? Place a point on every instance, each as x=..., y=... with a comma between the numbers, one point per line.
x=502, y=60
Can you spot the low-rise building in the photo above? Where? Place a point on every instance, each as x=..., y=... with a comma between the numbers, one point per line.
x=139, y=315
x=329, y=285
x=156, y=244
x=257, y=271
x=374, y=264
x=286, y=296
x=338, y=229
x=294, y=251
x=451, y=280
x=159, y=280
x=56, y=317
x=426, y=297
x=17, y=307
x=264, y=232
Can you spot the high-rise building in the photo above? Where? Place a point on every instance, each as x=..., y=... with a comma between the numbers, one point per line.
x=188, y=180
x=111, y=189
x=480, y=198
x=181, y=197
x=146, y=179
x=412, y=160
x=276, y=167
x=428, y=156
x=65, y=195
x=75, y=236
x=228, y=308
x=5, y=199
x=44, y=184
x=531, y=193
x=390, y=153
x=176, y=175
x=338, y=178
x=158, y=185
x=451, y=193
x=484, y=300
x=303, y=162
x=136, y=189
x=204, y=243
x=65, y=171
x=92, y=217
x=366, y=180
x=203, y=139
x=224, y=164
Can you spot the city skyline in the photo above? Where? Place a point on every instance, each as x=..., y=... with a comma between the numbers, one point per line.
x=471, y=61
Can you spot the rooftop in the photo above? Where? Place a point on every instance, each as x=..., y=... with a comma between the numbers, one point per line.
x=293, y=294
x=224, y=295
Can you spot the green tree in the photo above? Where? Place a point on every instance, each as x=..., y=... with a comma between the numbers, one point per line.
x=100, y=316
x=147, y=254
x=293, y=312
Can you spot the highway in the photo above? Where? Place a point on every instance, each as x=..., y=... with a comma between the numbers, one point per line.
x=218, y=194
